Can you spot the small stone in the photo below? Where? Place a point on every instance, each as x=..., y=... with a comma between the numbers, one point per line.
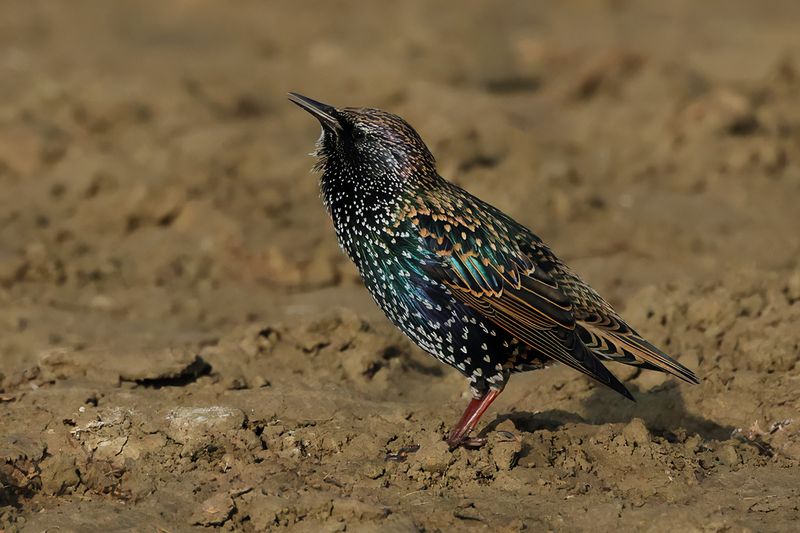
x=108, y=449
x=791, y=449
x=258, y=381
x=265, y=511
x=215, y=511
x=373, y=470
x=59, y=474
x=692, y=443
x=234, y=382
x=136, y=447
x=186, y=422
x=434, y=456
x=505, y=449
x=636, y=433
x=729, y=456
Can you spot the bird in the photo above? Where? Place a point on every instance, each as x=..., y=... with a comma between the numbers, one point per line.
x=463, y=280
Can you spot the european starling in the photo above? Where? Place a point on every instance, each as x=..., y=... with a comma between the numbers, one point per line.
x=466, y=282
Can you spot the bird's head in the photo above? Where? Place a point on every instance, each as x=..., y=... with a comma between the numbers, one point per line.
x=368, y=144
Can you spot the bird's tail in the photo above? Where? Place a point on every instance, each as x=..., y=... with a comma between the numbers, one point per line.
x=622, y=344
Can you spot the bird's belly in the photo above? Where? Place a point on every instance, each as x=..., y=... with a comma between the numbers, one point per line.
x=442, y=326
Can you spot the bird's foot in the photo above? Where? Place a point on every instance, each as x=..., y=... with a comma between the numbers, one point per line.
x=507, y=436
x=472, y=443
x=402, y=454
x=460, y=434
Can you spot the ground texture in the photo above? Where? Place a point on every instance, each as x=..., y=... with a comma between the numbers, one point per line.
x=183, y=346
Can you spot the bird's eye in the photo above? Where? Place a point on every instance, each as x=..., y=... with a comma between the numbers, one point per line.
x=359, y=134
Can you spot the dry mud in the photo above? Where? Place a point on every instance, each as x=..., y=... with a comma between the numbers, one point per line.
x=183, y=347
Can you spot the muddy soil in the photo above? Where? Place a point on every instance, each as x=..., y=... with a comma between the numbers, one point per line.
x=183, y=347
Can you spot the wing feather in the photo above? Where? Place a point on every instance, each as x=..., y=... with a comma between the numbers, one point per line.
x=554, y=336
x=526, y=304
x=600, y=327
x=508, y=275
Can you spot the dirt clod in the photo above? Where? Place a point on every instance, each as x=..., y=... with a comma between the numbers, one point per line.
x=214, y=511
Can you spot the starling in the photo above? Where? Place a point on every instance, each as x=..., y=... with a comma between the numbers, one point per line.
x=466, y=282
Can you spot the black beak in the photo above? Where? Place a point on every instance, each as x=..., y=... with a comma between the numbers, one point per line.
x=325, y=113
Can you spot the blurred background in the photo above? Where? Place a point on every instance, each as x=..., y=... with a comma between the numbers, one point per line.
x=157, y=205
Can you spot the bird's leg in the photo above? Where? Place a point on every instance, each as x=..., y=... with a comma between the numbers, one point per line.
x=472, y=414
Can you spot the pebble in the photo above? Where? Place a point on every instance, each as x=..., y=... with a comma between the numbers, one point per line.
x=636, y=433
x=214, y=511
x=729, y=456
x=434, y=456
x=185, y=422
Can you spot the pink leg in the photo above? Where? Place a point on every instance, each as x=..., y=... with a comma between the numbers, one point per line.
x=460, y=434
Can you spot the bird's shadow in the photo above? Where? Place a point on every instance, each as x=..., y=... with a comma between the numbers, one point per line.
x=663, y=411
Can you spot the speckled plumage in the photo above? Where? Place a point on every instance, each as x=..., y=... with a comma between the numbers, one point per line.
x=468, y=284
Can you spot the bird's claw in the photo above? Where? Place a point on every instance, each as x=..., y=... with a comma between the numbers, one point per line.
x=401, y=455
x=507, y=436
x=478, y=442
x=466, y=441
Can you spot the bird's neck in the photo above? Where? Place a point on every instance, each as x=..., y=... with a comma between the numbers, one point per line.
x=362, y=207
x=355, y=197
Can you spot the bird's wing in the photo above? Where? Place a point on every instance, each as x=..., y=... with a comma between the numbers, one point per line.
x=486, y=271
x=599, y=326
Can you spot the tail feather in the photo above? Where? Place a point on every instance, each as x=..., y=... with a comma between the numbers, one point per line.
x=623, y=345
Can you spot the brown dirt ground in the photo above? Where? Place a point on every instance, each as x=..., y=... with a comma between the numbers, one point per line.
x=183, y=346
